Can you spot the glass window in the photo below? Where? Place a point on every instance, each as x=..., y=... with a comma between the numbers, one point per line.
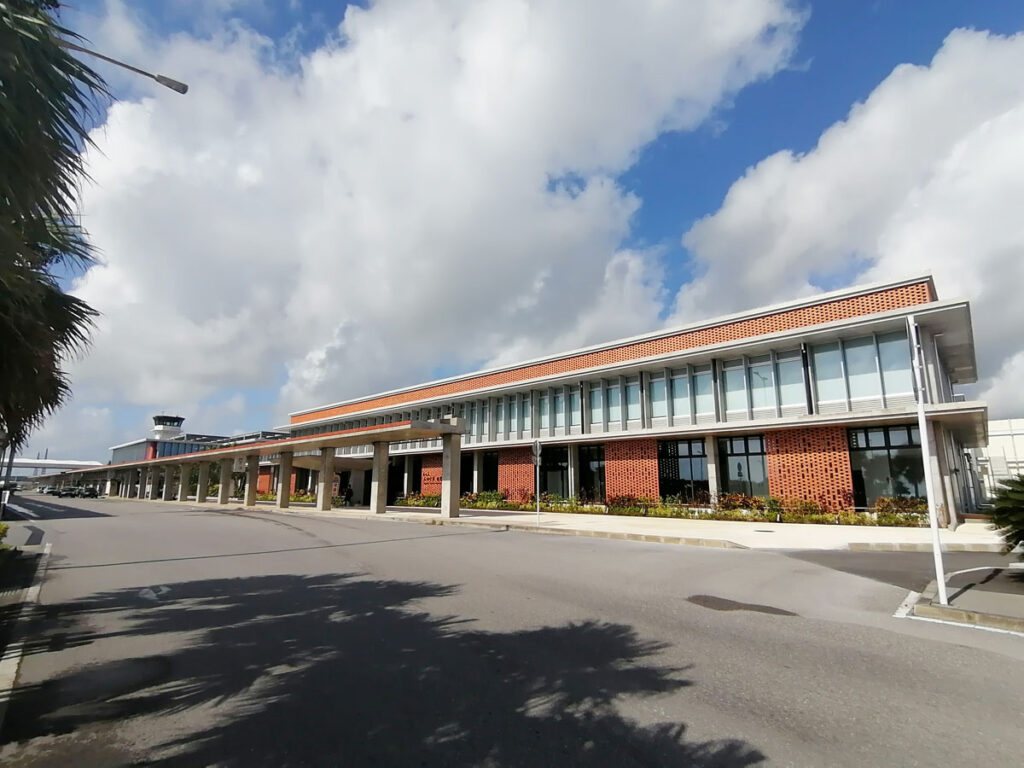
x=489, y=471
x=485, y=411
x=659, y=402
x=681, y=397
x=632, y=400
x=614, y=405
x=885, y=462
x=592, y=488
x=791, y=381
x=861, y=368
x=554, y=470
x=596, y=414
x=527, y=412
x=762, y=389
x=574, y=407
x=704, y=396
x=499, y=417
x=735, y=392
x=559, y=405
x=683, y=470
x=828, y=372
x=513, y=414
x=545, y=413
x=743, y=465
x=894, y=360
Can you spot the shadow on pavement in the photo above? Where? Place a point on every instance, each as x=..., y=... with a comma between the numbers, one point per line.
x=48, y=508
x=345, y=670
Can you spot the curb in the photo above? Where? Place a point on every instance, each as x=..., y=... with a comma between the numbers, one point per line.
x=973, y=618
x=648, y=538
x=927, y=608
x=882, y=546
x=10, y=661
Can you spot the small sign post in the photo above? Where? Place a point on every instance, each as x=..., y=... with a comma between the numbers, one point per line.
x=536, y=487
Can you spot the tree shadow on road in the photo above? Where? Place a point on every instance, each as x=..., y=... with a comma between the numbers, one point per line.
x=346, y=670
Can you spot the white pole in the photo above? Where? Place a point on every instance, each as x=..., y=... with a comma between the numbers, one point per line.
x=926, y=457
x=536, y=487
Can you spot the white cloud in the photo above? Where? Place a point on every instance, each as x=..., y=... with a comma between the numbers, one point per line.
x=926, y=175
x=434, y=183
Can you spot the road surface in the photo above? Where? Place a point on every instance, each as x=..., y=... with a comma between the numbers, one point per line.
x=173, y=635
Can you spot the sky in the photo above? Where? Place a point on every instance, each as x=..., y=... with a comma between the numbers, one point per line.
x=356, y=198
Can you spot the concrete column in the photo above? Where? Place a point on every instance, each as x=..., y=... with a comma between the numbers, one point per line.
x=252, y=479
x=284, y=480
x=451, y=466
x=168, y=482
x=183, y=475
x=224, y=492
x=714, y=484
x=405, y=475
x=203, y=486
x=379, y=484
x=110, y=483
x=574, y=470
x=325, y=479
x=154, y=476
x=478, y=458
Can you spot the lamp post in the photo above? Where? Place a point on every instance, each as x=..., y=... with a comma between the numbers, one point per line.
x=168, y=82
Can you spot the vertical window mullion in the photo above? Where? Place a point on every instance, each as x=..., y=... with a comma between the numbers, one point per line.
x=846, y=378
x=746, y=387
x=775, y=384
x=691, y=392
x=878, y=369
x=670, y=416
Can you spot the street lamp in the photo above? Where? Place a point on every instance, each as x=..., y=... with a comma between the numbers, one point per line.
x=174, y=85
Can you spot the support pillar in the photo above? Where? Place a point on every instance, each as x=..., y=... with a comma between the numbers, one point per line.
x=110, y=483
x=224, y=492
x=379, y=483
x=284, y=480
x=711, y=452
x=203, y=486
x=168, y=482
x=325, y=479
x=252, y=477
x=451, y=467
x=183, y=476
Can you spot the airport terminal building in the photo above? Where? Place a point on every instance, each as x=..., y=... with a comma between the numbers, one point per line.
x=810, y=400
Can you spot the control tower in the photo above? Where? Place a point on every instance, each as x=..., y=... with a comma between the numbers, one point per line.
x=167, y=427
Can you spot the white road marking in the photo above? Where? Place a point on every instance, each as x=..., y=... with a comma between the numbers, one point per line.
x=22, y=511
x=966, y=626
x=907, y=605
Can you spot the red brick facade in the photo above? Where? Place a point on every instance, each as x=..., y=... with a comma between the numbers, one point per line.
x=263, y=481
x=799, y=317
x=430, y=475
x=631, y=468
x=810, y=464
x=516, y=473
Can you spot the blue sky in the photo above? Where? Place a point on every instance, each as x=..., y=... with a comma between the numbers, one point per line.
x=161, y=153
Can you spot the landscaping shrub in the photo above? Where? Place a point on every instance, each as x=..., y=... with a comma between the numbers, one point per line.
x=266, y=497
x=1008, y=512
x=3, y=532
x=308, y=497
x=420, y=500
x=902, y=512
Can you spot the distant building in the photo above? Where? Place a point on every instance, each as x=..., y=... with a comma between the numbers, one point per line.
x=1003, y=457
x=168, y=439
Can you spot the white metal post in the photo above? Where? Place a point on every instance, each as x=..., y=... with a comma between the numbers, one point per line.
x=926, y=457
x=536, y=486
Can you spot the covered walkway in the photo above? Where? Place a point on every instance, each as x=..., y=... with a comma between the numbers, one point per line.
x=141, y=479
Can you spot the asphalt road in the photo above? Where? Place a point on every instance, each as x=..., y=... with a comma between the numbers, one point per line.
x=176, y=636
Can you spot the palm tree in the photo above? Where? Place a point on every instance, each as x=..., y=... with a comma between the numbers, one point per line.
x=46, y=99
x=1008, y=512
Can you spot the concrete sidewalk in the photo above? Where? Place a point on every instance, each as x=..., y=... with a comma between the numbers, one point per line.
x=968, y=537
x=985, y=597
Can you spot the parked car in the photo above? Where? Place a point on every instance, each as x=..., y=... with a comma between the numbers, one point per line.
x=53, y=490
x=88, y=492
x=68, y=490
